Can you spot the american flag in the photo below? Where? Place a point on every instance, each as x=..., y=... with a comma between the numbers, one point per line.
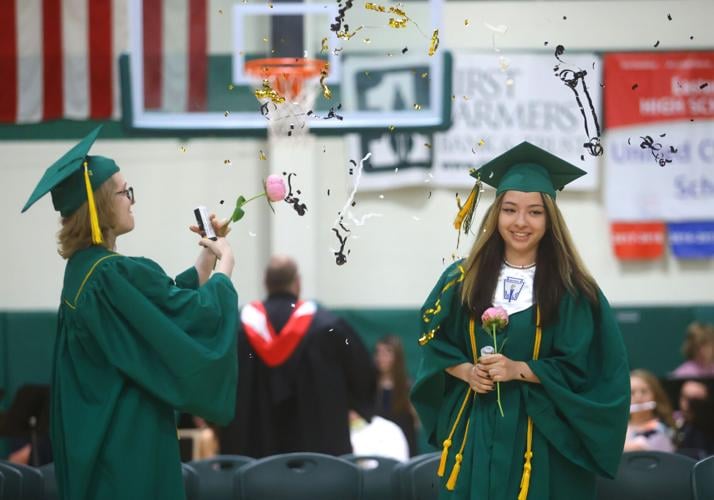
x=59, y=58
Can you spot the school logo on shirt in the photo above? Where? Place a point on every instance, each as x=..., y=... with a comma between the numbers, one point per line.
x=512, y=288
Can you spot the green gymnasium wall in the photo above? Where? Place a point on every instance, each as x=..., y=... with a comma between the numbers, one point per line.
x=653, y=336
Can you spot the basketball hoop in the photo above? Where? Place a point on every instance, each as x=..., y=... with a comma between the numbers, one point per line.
x=295, y=79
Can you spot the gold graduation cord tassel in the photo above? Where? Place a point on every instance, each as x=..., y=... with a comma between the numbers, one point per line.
x=447, y=441
x=93, y=217
x=467, y=208
x=451, y=483
x=526, y=477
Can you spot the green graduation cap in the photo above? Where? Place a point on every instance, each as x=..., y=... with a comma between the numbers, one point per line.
x=73, y=179
x=528, y=168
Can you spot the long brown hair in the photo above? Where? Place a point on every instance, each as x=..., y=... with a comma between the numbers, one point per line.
x=76, y=232
x=398, y=374
x=663, y=410
x=558, y=265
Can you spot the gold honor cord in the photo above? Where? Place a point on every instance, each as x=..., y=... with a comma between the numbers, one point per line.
x=93, y=217
x=526, y=477
x=436, y=309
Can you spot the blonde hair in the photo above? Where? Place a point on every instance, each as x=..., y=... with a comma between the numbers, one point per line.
x=663, y=410
x=76, y=233
x=558, y=264
x=698, y=334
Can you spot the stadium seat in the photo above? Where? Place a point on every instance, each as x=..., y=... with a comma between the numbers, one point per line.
x=12, y=483
x=2, y=485
x=190, y=481
x=376, y=475
x=299, y=476
x=49, y=480
x=215, y=475
x=703, y=479
x=402, y=476
x=645, y=475
x=31, y=487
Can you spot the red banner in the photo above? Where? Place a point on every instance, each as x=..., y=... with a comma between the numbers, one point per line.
x=651, y=87
x=638, y=240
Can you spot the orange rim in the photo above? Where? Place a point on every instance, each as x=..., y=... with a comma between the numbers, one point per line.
x=286, y=74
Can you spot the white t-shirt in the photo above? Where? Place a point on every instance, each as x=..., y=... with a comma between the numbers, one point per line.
x=514, y=291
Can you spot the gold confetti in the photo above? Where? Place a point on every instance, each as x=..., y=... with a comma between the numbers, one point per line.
x=417, y=106
x=466, y=22
x=344, y=35
x=324, y=49
x=226, y=113
x=261, y=155
x=424, y=75
x=267, y=92
x=392, y=128
x=453, y=98
x=231, y=86
x=226, y=162
x=270, y=5
x=426, y=144
x=481, y=142
x=183, y=149
x=326, y=92
x=394, y=23
x=434, y=43
x=466, y=98
x=265, y=39
x=367, y=41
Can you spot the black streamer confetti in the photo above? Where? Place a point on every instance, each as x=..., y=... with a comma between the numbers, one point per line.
x=340, y=256
x=573, y=80
x=656, y=149
x=300, y=208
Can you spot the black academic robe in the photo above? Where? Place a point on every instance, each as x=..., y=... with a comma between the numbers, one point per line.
x=303, y=403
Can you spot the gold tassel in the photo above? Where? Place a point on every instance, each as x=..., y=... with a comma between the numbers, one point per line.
x=463, y=215
x=526, y=477
x=451, y=483
x=93, y=217
x=444, y=454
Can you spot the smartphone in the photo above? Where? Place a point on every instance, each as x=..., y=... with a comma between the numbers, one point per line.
x=204, y=223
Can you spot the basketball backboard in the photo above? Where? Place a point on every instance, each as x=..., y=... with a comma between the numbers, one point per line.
x=186, y=70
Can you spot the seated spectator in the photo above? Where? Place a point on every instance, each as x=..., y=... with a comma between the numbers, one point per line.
x=393, y=388
x=698, y=349
x=651, y=423
x=695, y=420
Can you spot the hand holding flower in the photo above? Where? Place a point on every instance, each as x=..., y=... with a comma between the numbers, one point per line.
x=494, y=319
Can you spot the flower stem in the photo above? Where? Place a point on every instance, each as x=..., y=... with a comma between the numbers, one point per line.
x=254, y=197
x=498, y=384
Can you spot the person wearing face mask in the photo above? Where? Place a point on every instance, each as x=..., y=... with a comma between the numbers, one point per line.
x=559, y=371
x=133, y=345
x=651, y=422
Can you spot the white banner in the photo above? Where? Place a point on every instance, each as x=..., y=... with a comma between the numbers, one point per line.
x=639, y=189
x=499, y=100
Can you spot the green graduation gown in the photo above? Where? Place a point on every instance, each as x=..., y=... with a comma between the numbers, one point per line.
x=132, y=347
x=579, y=410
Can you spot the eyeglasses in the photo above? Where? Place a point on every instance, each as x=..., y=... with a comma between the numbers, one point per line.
x=129, y=193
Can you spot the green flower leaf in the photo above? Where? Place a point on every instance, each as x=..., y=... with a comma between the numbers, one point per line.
x=238, y=212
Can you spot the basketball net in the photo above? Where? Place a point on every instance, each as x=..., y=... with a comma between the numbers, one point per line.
x=294, y=79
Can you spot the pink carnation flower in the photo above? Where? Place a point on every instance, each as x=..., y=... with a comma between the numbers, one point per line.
x=275, y=188
x=494, y=316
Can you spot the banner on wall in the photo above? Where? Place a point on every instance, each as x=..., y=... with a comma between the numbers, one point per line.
x=498, y=101
x=638, y=240
x=691, y=240
x=659, y=143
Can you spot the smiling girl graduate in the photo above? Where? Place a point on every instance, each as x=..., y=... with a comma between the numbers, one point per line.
x=132, y=344
x=561, y=363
